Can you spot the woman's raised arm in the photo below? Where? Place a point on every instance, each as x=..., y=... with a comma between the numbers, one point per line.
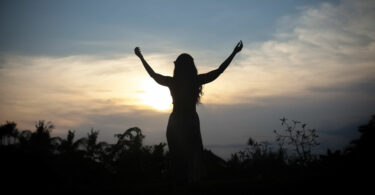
x=212, y=75
x=161, y=79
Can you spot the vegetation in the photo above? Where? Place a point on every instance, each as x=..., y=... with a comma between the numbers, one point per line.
x=38, y=162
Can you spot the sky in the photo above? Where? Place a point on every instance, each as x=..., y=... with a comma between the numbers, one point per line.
x=72, y=63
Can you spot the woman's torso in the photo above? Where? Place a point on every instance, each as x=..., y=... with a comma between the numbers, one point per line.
x=184, y=95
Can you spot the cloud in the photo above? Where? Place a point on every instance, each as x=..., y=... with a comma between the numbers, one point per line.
x=362, y=87
x=324, y=46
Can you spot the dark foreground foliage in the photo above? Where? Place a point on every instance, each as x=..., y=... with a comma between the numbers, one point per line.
x=34, y=161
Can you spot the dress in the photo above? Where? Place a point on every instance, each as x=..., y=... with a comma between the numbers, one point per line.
x=183, y=130
x=183, y=134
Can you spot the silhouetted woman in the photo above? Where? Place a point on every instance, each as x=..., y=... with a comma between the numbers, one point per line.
x=183, y=131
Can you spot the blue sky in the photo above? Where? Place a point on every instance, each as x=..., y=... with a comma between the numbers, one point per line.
x=72, y=63
x=66, y=28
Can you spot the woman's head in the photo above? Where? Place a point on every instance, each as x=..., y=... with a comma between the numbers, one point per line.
x=185, y=67
x=185, y=70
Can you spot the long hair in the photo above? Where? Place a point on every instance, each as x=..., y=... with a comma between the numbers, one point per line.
x=185, y=70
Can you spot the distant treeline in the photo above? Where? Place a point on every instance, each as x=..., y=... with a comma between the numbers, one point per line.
x=38, y=162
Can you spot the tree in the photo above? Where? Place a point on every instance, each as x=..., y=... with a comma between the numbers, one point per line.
x=93, y=149
x=7, y=132
x=131, y=139
x=361, y=150
x=24, y=137
x=40, y=140
x=68, y=145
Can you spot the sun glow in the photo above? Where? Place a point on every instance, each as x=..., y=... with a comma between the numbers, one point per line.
x=155, y=96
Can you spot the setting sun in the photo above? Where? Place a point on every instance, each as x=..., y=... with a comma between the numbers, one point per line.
x=153, y=95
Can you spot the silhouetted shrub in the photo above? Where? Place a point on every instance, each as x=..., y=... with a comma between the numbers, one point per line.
x=298, y=138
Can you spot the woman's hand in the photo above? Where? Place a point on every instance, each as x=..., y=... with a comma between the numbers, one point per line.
x=238, y=47
x=137, y=52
